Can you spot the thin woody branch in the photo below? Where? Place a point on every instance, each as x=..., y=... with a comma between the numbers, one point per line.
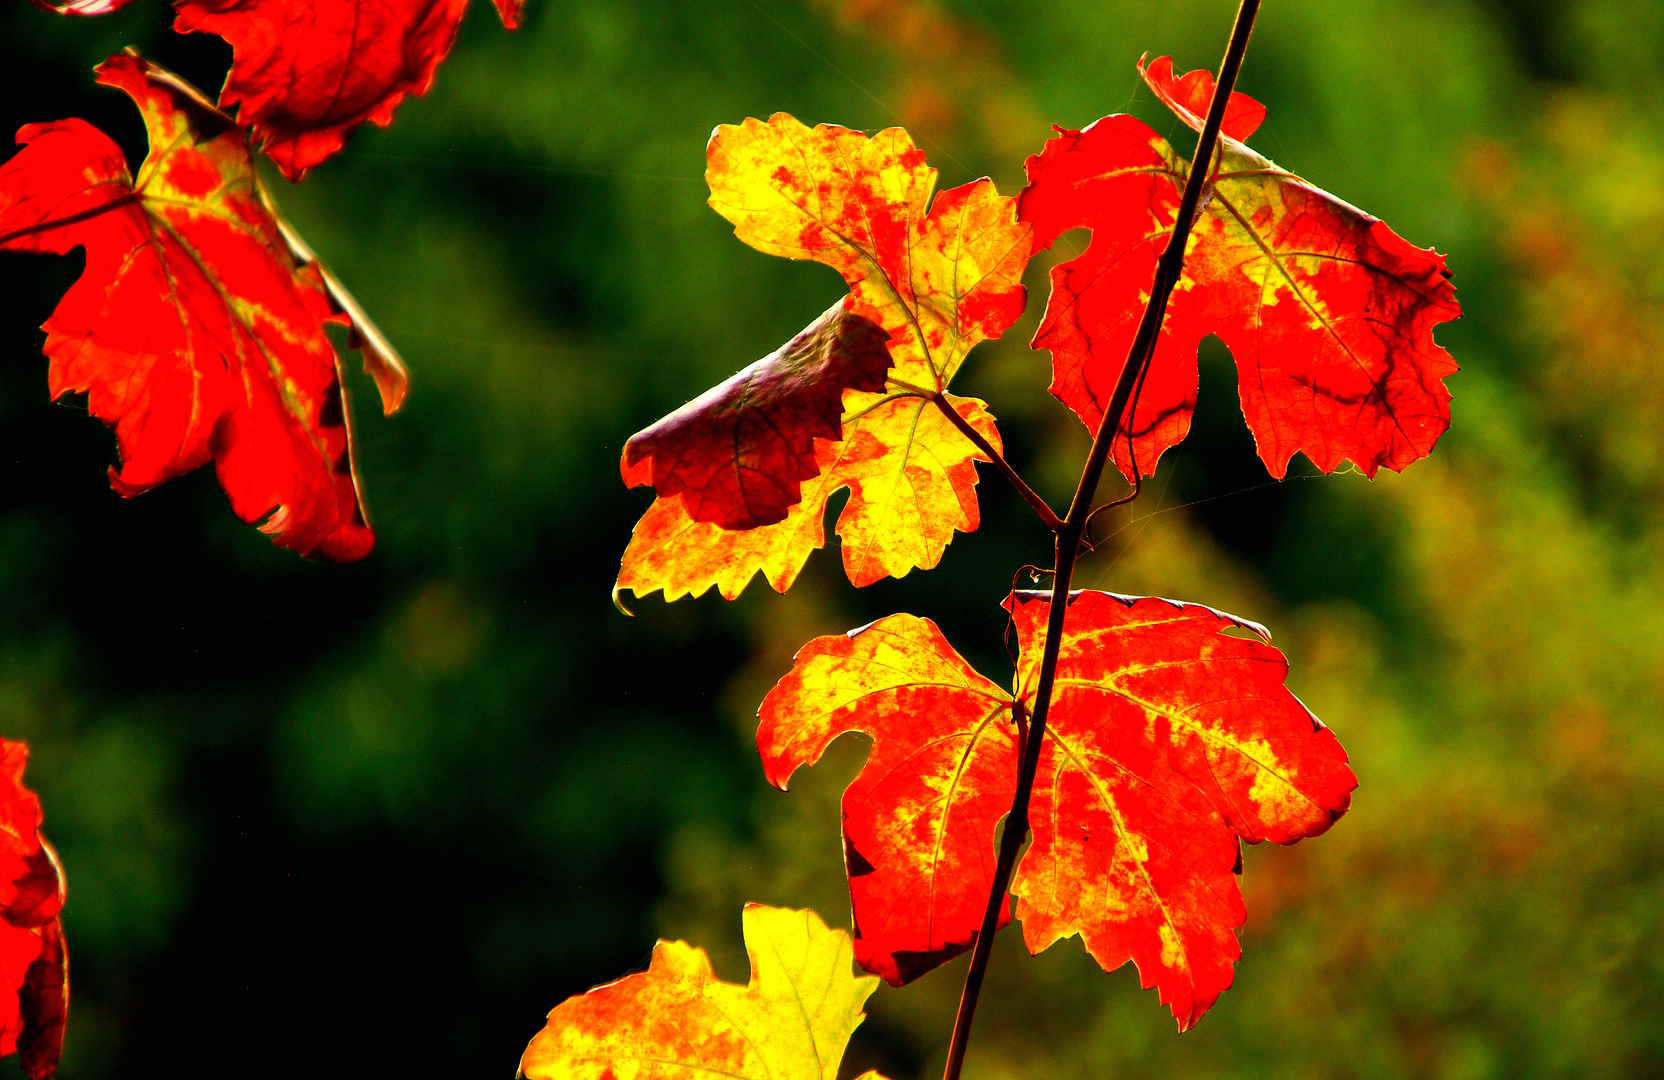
x=1168, y=270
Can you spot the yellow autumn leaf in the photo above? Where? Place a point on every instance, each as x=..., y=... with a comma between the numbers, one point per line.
x=678, y=1020
x=912, y=482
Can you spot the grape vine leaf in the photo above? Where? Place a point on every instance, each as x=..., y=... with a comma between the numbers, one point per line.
x=1328, y=313
x=304, y=73
x=197, y=328
x=1169, y=740
x=900, y=681
x=936, y=276
x=738, y=454
x=34, y=966
x=792, y=1022
x=912, y=482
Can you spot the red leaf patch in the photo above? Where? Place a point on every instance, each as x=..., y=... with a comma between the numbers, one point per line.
x=304, y=73
x=1328, y=312
x=34, y=967
x=194, y=330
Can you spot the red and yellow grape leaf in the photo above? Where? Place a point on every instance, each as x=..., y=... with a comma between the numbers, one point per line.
x=34, y=967
x=1328, y=313
x=738, y=454
x=912, y=484
x=938, y=276
x=195, y=330
x=736, y=493
x=304, y=73
x=1168, y=740
x=917, y=821
x=677, y=1019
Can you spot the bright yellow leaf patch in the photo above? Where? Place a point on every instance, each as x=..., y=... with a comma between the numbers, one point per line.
x=677, y=1020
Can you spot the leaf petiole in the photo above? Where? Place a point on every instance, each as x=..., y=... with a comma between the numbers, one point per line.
x=1047, y=516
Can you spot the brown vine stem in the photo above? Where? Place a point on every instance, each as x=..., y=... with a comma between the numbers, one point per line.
x=1168, y=270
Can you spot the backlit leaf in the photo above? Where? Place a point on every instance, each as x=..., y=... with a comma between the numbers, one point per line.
x=739, y=453
x=34, y=981
x=1328, y=312
x=912, y=484
x=938, y=276
x=741, y=490
x=677, y=1019
x=918, y=819
x=304, y=73
x=1169, y=740
x=194, y=329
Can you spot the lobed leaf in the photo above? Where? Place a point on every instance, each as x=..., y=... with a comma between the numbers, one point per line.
x=1328, y=313
x=743, y=473
x=304, y=73
x=937, y=277
x=677, y=1019
x=1169, y=740
x=194, y=329
x=34, y=967
x=943, y=767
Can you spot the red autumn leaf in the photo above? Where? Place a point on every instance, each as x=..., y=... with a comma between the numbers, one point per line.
x=1190, y=95
x=1328, y=312
x=678, y=1020
x=743, y=474
x=306, y=72
x=44, y=1003
x=738, y=454
x=194, y=329
x=1172, y=739
x=1168, y=741
x=917, y=838
x=34, y=967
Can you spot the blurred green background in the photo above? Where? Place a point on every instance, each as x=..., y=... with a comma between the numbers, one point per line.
x=378, y=819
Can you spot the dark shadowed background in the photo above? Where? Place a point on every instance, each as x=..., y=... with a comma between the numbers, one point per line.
x=378, y=819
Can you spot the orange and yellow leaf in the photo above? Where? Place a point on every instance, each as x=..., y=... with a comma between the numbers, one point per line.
x=678, y=1020
x=1169, y=740
x=929, y=279
x=912, y=482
